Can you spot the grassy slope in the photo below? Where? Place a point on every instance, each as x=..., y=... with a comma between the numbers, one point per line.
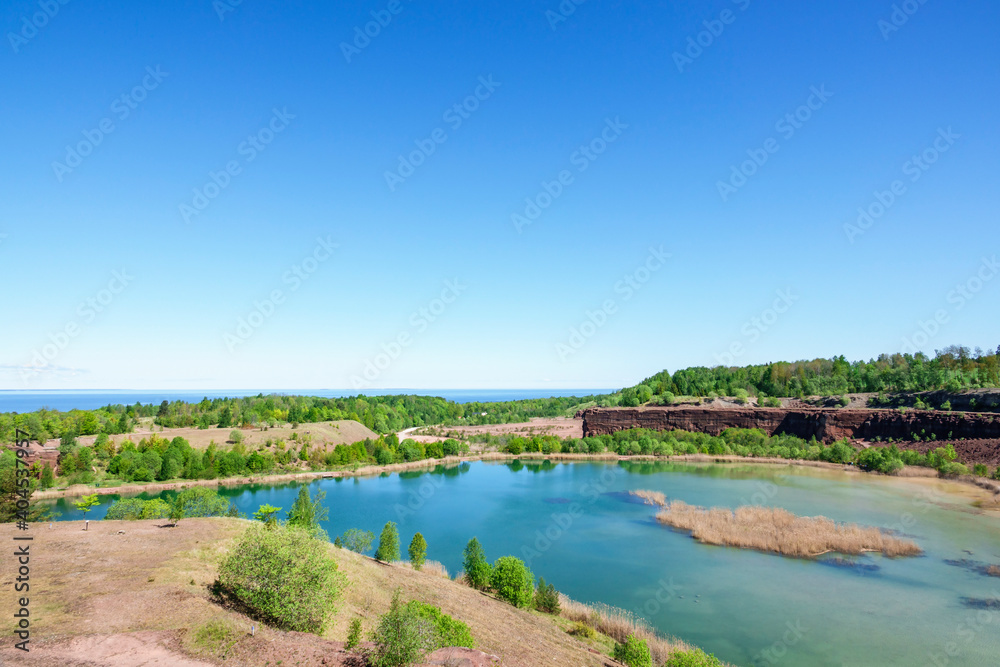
x=151, y=581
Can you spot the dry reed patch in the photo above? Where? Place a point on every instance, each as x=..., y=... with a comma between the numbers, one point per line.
x=618, y=624
x=993, y=570
x=651, y=497
x=775, y=530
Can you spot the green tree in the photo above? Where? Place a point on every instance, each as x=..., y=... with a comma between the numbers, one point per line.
x=48, y=477
x=353, y=635
x=402, y=637
x=418, y=551
x=308, y=511
x=388, y=544
x=477, y=568
x=513, y=581
x=547, y=598
x=87, y=503
x=178, y=509
x=634, y=652
x=356, y=540
x=282, y=576
x=267, y=514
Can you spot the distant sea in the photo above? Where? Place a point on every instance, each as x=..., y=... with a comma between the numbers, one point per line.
x=29, y=401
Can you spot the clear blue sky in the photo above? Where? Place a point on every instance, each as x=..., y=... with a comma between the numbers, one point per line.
x=198, y=80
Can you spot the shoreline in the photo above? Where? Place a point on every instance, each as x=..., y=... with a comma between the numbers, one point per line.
x=987, y=490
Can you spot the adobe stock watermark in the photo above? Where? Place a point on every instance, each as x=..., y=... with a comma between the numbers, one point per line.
x=774, y=653
x=86, y=313
x=30, y=25
x=899, y=17
x=264, y=309
x=757, y=326
x=249, y=149
x=121, y=108
x=420, y=320
x=913, y=168
x=666, y=591
x=454, y=116
x=581, y=158
x=561, y=522
x=967, y=631
x=363, y=36
x=959, y=297
x=223, y=7
x=696, y=44
x=627, y=287
x=562, y=12
x=786, y=126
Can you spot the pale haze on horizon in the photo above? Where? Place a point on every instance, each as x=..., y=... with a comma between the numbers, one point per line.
x=244, y=196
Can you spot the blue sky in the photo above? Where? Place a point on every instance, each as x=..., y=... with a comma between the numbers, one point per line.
x=610, y=107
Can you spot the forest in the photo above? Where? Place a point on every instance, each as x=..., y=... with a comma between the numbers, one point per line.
x=953, y=369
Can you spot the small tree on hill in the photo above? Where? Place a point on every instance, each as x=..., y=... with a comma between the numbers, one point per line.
x=477, y=568
x=418, y=551
x=388, y=544
x=307, y=512
x=267, y=514
x=634, y=653
x=86, y=503
x=513, y=581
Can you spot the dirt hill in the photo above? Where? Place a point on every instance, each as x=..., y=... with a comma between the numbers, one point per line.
x=136, y=592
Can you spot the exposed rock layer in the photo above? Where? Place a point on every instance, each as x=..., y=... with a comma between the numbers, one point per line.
x=826, y=425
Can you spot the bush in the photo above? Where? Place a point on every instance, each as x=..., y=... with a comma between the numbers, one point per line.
x=133, y=509
x=418, y=551
x=695, y=658
x=308, y=511
x=282, y=576
x=582, y=630
x=388, y=544
x=996, y=473
x=477, y=570
x=513, y=581
x=235, y=436
x=980, y=469
x=353, y=635
x=358, y=541
x=634, y=652
x=547, y=598
x=448, y=631
x=402, y=637
x=201, y=501
x=946, y=406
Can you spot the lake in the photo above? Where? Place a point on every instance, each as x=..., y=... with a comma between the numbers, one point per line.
x=577, y=527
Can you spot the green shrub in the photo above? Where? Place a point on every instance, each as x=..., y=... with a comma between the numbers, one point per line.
x=512, y=581
x=477, y=569
x=308, y=511
x=388, y=544
x=694, y=658
x=980, y=469
x=282, y=576
x=132, y=509
x=402, y=637
x=844, y=401
x=356, y=540
x=634, y=652
x=582, y=630
x=418, y=551
x=201, y=501
x=353, y=635
x=946, y=405
x=547, y=598
x=448, y=631
x=996, y=473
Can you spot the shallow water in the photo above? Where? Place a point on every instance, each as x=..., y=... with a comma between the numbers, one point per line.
x=577, y=527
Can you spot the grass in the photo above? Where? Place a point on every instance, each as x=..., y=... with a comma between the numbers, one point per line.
x=215, y=637
x=774, y=530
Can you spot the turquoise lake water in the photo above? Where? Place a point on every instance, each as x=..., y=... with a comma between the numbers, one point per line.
x=577, y=527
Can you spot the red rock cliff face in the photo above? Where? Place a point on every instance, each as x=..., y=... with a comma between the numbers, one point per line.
x=826, y=425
